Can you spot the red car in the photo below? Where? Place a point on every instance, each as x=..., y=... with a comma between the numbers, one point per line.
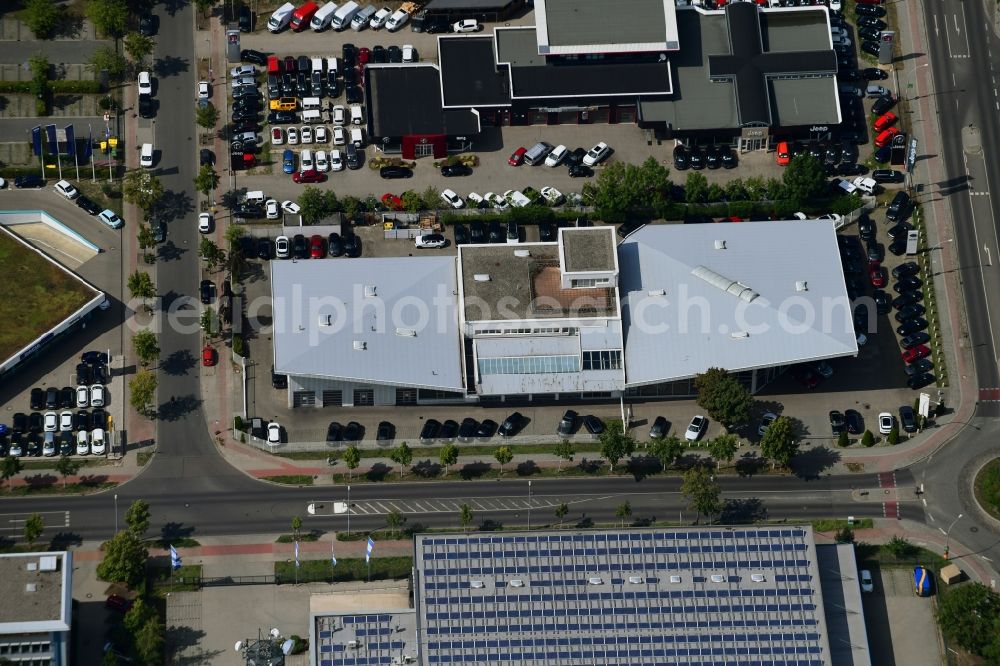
x=248, y=161
x=308, y=176
x=878, y=276
x=208, y=357
x=912, y=354
x=885, y=138
x=118, y=603
x=783, y=156
x=517, y=159
x=391, y=201
x=885, y=121
x=316, y=249
x=364, y=55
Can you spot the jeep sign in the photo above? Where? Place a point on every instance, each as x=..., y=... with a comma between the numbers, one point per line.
x=911, y=155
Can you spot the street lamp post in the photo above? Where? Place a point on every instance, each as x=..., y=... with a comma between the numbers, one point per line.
x=348, y=511
x=947, y=535
x=116, y=513
x=914, y=69
x=529, y=506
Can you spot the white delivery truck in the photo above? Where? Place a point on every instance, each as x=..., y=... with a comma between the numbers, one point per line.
x=342, y=17
x=321, y=20
x=281, y=17
x=362, y=18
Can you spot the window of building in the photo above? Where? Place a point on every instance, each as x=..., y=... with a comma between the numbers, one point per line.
x=585, y=283
x=528, y=365
x=610, y=359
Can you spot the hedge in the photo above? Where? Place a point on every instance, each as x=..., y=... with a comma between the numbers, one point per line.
x=15, y=87
x=90, y=87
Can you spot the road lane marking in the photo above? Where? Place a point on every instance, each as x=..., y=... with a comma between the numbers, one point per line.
x=937, y=31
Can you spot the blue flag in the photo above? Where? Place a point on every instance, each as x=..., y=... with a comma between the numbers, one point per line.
x=70, y=140
x=50, y=130
x=333, y=556
x=36, y=140
x=368, y=551
x=175, y=559
x=297, y=563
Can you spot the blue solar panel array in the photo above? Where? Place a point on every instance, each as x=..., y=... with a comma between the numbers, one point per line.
x=362, y=640
x=701, y=597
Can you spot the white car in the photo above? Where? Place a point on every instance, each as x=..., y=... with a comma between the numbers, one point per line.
x=108, y=217
x=306, y=134
x=430, y=241
x=467, y=25
x=381, y=16
x=867, y=584
x=452, y=199
x=273, y=433
x=145, y=83
x=800, y=216
x=247, y=137
x=321, y=164
x=290, y=207
x=51, y=422
x=271, y=209
x=336, y=160
x=552, y=195
x=146, y=156
x=97, y=395
x=409, y=53
x=765, y=422
x=397, y=20
x=306, y=160
x=496, y=201
x=293, y=136
x=277, y=136
x=281, y=246
x=82, y=396
x=204, y=90
x=836, y=218
x=835, y=5
x=557, y=155
x=322, y=135
x=476, y=199
x=517, y=199
x=695, y=428
x=82, y=443
x=596, y=154
x=244, y=81
x=357, y=115
x=339, y=136
x=97, y=444
x=205, y=223
x=64, y=188
x=242, y=70
x=866, y=185
x=66, y=421
x=886, y=422
x=339, y=115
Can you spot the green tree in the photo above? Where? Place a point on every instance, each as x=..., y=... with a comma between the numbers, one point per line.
x=564, y=449
x=67, y=466
x=696, y=188
x=465, y=516
x=137, y=518
x=702, y=492
x=901, y=548
x=146, y=347
x=142, y=388
x=868, y=439
x=34, y=525
x=844, y=535
x=394, y=520
x=209, y=322
x=735, y=190
x=723, y=447
x=42, y=17
x=775, y=189
x=138, y=615
x=352, y=458
x=402, y=455
x=724, y=398
x=412, y=202
x=110, y=16
x=615, y=444
x=561, y=510
x=843, y=439
x=236, y=261
x=142, y=188
x=110, y=658
x=431, y=198
x=624, y=512
x=667, y=450
x=9, y=468
x=145, y=237
x=105, y=58
x=804, y=179
x=149, y=641
x=623, y=189
x=504, y=455
x=314, y=205
x=969, y=616
x=211, y=253
x=124, y=560
x=296, y=526
x=140, y=285
x=755, y=188
x=715, y=193
x=206, y=180
x=448, y=456
x=206, y=116
x=893, y=437
x=205, y=5
x=351, y=205
x=138, y=47
x=233, y=234
x=778, y=442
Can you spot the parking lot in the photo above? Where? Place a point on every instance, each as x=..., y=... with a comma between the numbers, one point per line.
x=901, y=625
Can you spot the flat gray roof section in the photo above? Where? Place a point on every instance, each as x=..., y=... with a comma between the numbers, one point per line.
x=36, y=589
x=804, y=102
x=406, y=99
x=469, y=73
x=384, y=636
x=680, y=319
x=596, y=26
x=512, y=287
x=622, y=597
x=390, y=321
x=588, y=249
x=797, y=29
x=843, y=609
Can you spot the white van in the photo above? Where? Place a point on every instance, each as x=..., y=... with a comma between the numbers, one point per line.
x=306, y=160
x=281, y=17
x=312, y=116
x=332, y=65
x=255, y=197
x=317, y=65
x=310, y=103
x=362, y=18
x=357, y=138
x=321, y=20
x=357, y=117
x=146, y=156
x=343, y=16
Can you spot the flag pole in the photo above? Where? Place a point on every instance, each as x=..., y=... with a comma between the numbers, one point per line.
x=90, y=152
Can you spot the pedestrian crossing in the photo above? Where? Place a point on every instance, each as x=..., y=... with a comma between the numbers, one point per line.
x=381, y=507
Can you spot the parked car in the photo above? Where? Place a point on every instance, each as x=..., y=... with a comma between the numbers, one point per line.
x=511, y=425
x=908, y=419
x=391, y=172
x=695, y=428
x=765, y=422
x=593, y=425
x=432, y=241
x=567, y=424
x=854, y=422
x=466, y=25
x=517, y=157
x=837, y=423
x=430, y=430
x=597, y=154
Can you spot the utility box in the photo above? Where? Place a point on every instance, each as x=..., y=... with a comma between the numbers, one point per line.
x=951, y=574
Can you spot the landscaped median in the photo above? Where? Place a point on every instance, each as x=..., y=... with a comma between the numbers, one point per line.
x=346, y=569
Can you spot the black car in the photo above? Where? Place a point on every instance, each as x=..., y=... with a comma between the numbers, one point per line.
x=696, y=158
x=300, y=249
x=29, y=181
x=206, y=157
x=873, y=73
x=660, y=428
x=833, y=154
x=378, y=54
x=851, y=169
x=82, y=373
x=353, y=432
x=334, y=432
x=246, y=21
x=206, y=289
x=853, y=421
x=147, y=107
x=249, y=210
x=240, y=115
x=496, y=234
x=148, y=25
x=874, y=253
x=887, y=176
x=385, y=432
x=287, y=84
x=303, y=86
x=920, y=381
x=452, y=170
x=100, y=375
x=898, y=208
x=395, y=54
x=575, y=157
x=907, y=298
x=866, y=229
x=908, y=268
x=52, y=398
x=907, y=283
x=915, y=339
x=477, y=232
x=861, y=9
x=919, y=367
x=35, y=422
x=729, y=159
x=256, y=57
x=907, y=418
x=461, y=234
x=264, y=249
x=278, y=381
x=869, y=34
x=352, y=246
x=836, y=422
x=354, y=95
x=349, y=55
x=510, y=425
x=848, y=75
x=390, y=172
x=594, y=425
x=303, y=65
x=334, y=245
x=467, y=430
x=332, y=85
x=246, y=95
x=883, y=301
x=81, y=420
x=580, y=171
x=449, y=429
x=430, y=430
x=713, y=158
x=567, y=423
x=67, y=398
x=882, y=104
x=911, y=326
x=19, y=422
x=899, y=230
x=871, y=48
x=355, y=157
x=281, y=117
x=66, y=444
x=37, y=399
x=350, y=76
x=546, y=232
x=486, y=429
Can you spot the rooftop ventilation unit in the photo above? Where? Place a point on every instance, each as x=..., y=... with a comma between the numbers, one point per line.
x=517, y=582
x=739, y=335
x=657, y=292
x=481, y=277
x=737, y=289
x=352, y=645
x=32, y=566
x=406, y=332
x=30, y=587
x=718, y=578
x=594, y=580
x=758, y=578
x=522, y=253
x=635, y=580
x=720, y=245
x=675, y=579
x=360, y=345
x=370, y=291
x=326, y=320
x=801, y=285
x=48, y=563
x=476, y=584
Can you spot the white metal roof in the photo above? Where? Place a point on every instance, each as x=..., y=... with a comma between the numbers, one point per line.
x=731, y=296
x=380, y=320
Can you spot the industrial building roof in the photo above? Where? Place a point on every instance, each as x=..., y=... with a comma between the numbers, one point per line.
x=588, y=249
x=405, y=99
x=650, y=596
x=37, y=590
x=383, y=637
x=698, y=296
x=842, y=605
x=469, y=72
x=596, y=26
x=382, y=320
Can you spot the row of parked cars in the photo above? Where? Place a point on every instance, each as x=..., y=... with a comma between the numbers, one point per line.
x=580, y=161
x=852, y=422
x=313, y=247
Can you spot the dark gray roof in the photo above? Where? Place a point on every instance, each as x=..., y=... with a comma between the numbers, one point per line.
x=469, y=73
x=749, y=65
x=595, y=26
x=406, y=99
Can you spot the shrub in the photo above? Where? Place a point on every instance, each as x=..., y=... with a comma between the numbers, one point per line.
x=843, y=440
x=868, y=439
x=238, y=422
x=87, y=87
x=15, y=87
x=41, y=107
